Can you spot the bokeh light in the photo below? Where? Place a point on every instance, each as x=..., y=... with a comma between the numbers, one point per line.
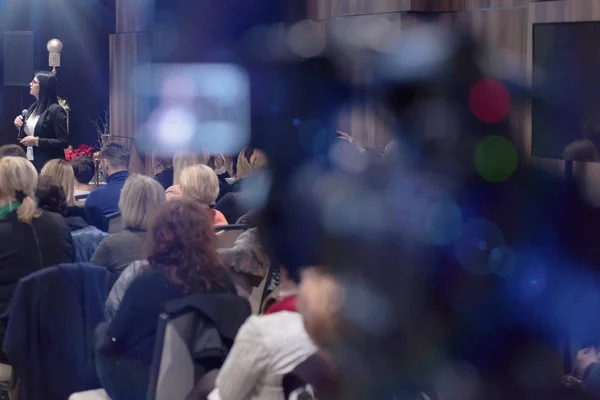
x=480, y=238
x=496, y=159
x=489, y=100
x=175, y=128
x=502, y=261
x=304, y=41
x=345, y=157
x=532, y=280
x=444, y=223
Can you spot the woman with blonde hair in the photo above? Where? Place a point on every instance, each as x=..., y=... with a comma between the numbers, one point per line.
x=180, y=162
x=30, y=239
x=62, y=172
x=200, y=183
x=140, y=198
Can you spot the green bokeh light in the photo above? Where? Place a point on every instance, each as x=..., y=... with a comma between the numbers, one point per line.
x=495, y=159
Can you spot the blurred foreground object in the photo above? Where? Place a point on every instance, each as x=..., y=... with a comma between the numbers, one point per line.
x=458, y=259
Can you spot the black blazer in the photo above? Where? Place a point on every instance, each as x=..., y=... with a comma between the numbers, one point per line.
x=51, y=128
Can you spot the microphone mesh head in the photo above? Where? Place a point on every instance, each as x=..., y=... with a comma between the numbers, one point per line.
x=25, y=113
x=54, y=60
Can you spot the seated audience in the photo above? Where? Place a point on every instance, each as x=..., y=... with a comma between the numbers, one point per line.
x=231, y=204
x=166, y=174
x=141, y=197
x=30, y=239
x=266, y=348
x=84, y=170
x=51, y=197
x=115, y=163
x=62, y=172
x=182, y=260
x=12, y=150
x=201, y=184
x=180, y=162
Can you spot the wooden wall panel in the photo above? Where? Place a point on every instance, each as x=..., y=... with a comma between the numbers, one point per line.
x=127, y=113
x=459, y=5
x=134, y=15
x=503, y=34
x=328, y=9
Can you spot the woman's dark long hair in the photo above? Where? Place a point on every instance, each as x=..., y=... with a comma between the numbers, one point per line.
x=183, y=244
x=47, y=94
x=51, y=196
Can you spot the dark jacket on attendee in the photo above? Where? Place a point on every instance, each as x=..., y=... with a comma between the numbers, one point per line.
x=107, y=197
x=125, y=346
x=51, y=129
x=20, y=254
x=49, y=337
x=91, y=215
x=232, y=206
x=165, y=178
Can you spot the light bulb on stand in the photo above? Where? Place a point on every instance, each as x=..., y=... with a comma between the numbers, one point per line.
x=54, y=47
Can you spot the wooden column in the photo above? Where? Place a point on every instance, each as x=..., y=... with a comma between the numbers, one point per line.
x=130, y=47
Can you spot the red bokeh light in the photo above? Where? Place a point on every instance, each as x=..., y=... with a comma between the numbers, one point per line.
x=489, y=100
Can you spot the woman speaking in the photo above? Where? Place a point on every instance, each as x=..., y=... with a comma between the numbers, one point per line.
x=45, y=131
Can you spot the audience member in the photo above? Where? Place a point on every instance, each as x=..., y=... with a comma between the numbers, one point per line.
x=62, y=172
x=266, y=348
x=319, y=301
x=284, y=297
x=183, y=260
x=180, y=162
x=51, y=197
x=84, y=170
x=248, y=263
x=12, y=150
x=166, y=174
x=201, y=184
x=232, y=204
x=141, y=197
x=115, y=163
x=30, y=239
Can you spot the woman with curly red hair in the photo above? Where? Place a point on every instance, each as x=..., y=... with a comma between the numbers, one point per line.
x=182, y=260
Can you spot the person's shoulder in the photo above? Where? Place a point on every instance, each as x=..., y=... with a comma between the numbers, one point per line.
x=276, y=324
x=52, y=217
x=93, y=195
x=56, y=108
x=48, y=219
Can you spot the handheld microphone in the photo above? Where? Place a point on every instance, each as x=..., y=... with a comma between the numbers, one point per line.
x=24, y=114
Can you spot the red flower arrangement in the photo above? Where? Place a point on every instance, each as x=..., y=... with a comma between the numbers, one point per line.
x=82, y=151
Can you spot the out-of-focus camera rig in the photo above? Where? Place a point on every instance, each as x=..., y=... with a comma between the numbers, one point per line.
x=458, y=256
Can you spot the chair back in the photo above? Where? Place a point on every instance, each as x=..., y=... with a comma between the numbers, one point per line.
x=172, y=375
x=228, y=234
x=115, y=224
